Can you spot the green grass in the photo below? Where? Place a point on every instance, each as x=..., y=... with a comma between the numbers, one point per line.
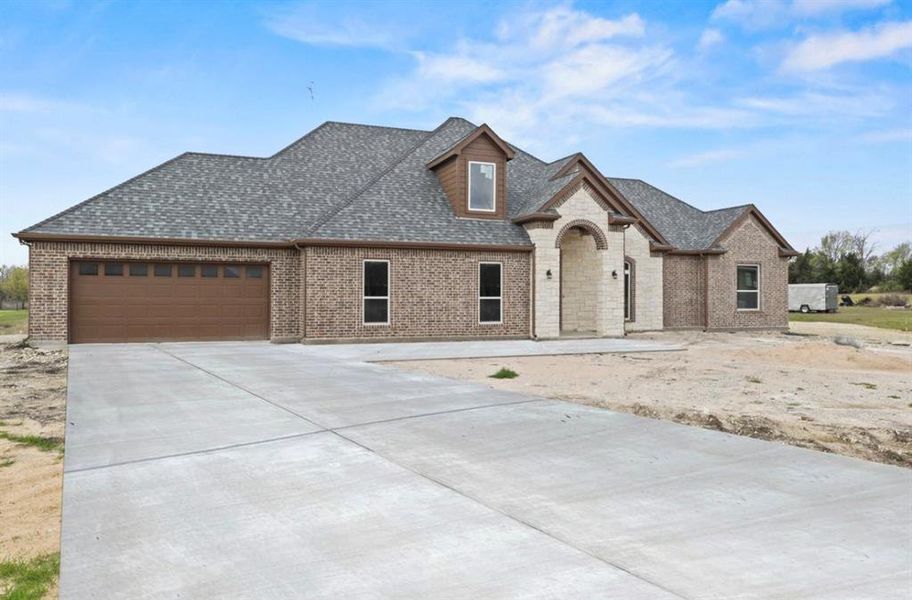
x=505, y=373
x=884, y=318
x=28, y=579
x=42, y=443
x=13, y=321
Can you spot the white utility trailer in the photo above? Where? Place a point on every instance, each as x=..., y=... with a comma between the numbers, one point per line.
x=813, y=297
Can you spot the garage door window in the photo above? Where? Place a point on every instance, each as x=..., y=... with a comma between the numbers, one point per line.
x=88, y=268
x=163, y=270
x=254, y=272
x=748, y=287
x=139, y=270
x=209, y=271
x=186, y=270
x=113, y=269
x=232, y=272
x=376, y=292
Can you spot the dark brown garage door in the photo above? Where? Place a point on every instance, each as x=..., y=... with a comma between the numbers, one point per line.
x=138, y=301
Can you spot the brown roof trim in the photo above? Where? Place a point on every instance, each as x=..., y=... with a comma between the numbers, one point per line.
x=788, y=253
x=653, y=247
x=607, y=188
x=28, y=236
x=482, y=129
x=536, y=216
x=409, y=245
x=621, y=220
x=749, y=210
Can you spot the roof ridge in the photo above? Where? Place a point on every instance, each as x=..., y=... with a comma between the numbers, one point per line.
x=726, y=208
x=111, y=189
x=335, y=210
x=193, y=153
x=382, y=126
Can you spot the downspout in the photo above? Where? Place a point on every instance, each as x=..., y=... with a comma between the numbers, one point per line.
x=532, y=298
x=623, y=261
x=303, y=289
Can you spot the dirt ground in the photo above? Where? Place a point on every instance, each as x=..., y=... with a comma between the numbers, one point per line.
x=800, y=389
x=32, y=402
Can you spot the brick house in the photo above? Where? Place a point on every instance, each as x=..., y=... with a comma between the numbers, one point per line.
x=363, y=232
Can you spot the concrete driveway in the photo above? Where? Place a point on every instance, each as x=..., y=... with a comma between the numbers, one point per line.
x=261, y=471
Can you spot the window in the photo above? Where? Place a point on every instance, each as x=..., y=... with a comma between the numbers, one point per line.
x=209, y=271
x=88, y=268
x=481, y=186
x=376, y=292
x=186, y=270
x=113, y=269
x=139, y=270
x=163, y=270
x=748, y=287
x=254, y=272
x=231, y=271
x=490, y=300
x=628, y=291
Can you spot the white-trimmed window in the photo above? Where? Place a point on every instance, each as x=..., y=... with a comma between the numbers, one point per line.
x=375, y=292
x=490, y=294
x=748, y=287
x=482, y=188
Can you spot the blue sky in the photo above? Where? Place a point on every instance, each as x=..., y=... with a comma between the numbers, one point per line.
x=803, y=107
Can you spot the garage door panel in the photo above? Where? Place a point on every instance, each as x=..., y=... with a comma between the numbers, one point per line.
x=167, y=307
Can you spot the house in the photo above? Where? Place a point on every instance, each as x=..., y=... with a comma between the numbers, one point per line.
x=364, y=232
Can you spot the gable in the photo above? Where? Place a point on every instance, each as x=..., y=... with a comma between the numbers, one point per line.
x=453, y=173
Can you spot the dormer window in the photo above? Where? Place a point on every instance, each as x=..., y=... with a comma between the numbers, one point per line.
x=482, y=176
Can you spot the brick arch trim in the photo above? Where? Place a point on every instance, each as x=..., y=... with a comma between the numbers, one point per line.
x=601, y=243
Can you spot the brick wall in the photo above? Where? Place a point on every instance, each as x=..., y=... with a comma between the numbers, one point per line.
x=49, y=280
x=751, y=244
x=684, y=290
x=433, y=293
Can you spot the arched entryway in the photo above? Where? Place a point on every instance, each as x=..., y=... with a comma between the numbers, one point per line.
x=581, y=277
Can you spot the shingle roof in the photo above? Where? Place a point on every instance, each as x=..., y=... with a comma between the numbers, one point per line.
x=346, y=182
x=686, y=227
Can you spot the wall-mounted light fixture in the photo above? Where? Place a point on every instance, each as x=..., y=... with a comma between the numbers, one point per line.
x=548, y=273
x=614, y=274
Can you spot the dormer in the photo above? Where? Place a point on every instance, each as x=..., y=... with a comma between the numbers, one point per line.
x=473, y=174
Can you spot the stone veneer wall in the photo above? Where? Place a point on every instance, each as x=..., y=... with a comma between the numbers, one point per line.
x=49, y=280
x=579, y=282
x=648, y=292
x=609, y=314
x=748, y=244
x=433, y=293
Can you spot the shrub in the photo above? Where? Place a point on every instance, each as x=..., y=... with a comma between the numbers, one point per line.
x=892, y=300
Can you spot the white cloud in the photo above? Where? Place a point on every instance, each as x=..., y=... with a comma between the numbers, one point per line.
x=851, y=103
x=563, y=27
x=456, y=68
x=702, y=158
x=819, y=7
x=888, y=135
x=766, y=14
x=710, y=38
x=823, y=51
x=309, y=24
x=22, y=102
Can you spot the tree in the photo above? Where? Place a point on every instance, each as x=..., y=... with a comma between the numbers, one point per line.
x=850, y=273
x=903, y=275
x=801, y=270
x=14, y=284
x=892, y=260
x=836, y=244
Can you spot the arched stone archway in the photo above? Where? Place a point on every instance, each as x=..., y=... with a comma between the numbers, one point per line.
x=581, y=244
x=585, y=225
